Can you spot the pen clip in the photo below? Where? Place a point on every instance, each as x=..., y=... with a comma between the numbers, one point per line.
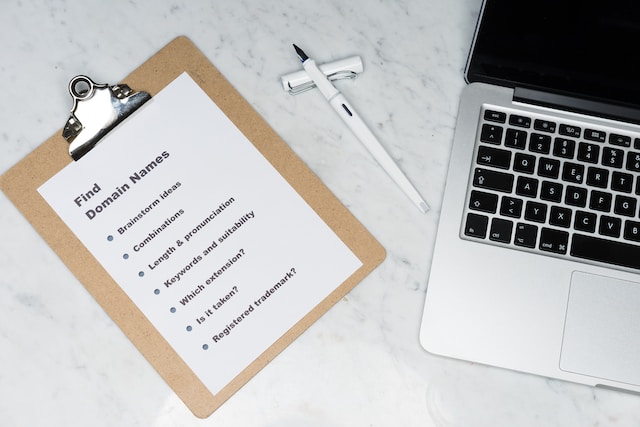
x=339, y=75
x=346, y=68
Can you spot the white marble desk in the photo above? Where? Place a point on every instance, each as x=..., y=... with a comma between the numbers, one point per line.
x=62, y=360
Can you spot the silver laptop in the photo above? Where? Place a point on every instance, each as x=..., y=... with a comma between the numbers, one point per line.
x=537, y=260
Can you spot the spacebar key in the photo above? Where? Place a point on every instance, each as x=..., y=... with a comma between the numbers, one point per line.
x=608, y=251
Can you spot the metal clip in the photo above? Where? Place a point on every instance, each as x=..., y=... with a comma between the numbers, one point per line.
x=310, y=85
x=299, y=81
x=97, y=108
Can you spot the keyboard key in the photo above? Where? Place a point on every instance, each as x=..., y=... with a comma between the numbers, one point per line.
x=484, y=202
x=597, y=177
x=632, y=231
x=595, y=135
x=501, y=230
x=491, y=134
x=612, y=157
x=604, y=250
x=511, y=207
x=493, y=180
x=555, y=241
x=560, y=217
x=551, y=191
x=622, y=182
x=526, y=235
x=573, y=172
x=588, y=152
x=495, y=116
x=563, y=147
x=526, y=186
x=600, y=201
x=625, y=205
x=495, y=157
x=568, y=130
x=610, y=226
x=633, y=161
x=525, y=163
x=576, y=196
x=544, y=126
x=585, y=221
x=536, y=212
x=476, y=225
x=515, y=138
x=521, y=121
x=548, y=168
x=620, y=140
x=539, y=143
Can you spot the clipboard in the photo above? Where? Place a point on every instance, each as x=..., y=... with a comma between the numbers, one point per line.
x=21, y=182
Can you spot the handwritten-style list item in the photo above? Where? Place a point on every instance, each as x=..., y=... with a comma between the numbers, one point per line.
x=200, y=231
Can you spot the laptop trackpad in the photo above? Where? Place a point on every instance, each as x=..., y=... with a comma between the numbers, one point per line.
x=602, y=329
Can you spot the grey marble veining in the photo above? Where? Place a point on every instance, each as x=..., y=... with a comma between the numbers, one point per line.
x=64, y=362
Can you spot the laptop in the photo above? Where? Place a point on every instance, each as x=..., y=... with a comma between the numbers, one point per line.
x=536, y=264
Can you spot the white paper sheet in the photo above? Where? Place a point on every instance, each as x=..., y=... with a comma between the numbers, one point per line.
x=202, y=233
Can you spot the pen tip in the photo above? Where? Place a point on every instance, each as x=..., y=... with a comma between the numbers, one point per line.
x=303, y=57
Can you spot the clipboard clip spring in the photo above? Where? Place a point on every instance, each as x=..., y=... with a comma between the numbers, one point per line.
x=97, y=108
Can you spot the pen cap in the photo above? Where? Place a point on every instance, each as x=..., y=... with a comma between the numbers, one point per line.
x=299, y=81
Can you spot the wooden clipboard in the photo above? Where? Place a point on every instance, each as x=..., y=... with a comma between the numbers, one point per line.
x=21, y=182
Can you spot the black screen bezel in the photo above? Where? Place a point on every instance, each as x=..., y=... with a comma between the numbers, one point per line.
x=518, y=44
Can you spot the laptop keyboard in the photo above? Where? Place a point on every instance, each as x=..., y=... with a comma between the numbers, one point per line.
x=562, y=189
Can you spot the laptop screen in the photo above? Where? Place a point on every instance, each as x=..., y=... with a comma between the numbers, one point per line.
x=586, y=49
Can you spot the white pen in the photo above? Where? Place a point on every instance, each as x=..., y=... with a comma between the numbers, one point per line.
x=360, y=129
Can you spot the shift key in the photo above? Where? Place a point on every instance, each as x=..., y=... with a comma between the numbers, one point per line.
x=493, y=180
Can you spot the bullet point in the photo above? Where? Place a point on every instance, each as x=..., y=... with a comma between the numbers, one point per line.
x=205, y=347
x=157, y=292
x=189, y=328
x=109, y=237
x=125, y=256
x=173, y=309
x=141, y=273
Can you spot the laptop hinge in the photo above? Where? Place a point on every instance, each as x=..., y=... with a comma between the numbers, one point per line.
x=577, y=105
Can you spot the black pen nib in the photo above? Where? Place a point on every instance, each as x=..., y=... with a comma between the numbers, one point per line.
x=303, y=56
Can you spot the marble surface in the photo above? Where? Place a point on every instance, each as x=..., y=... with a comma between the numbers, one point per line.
x=62, y=360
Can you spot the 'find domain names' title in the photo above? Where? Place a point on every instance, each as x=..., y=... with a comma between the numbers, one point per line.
x=87, y=197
